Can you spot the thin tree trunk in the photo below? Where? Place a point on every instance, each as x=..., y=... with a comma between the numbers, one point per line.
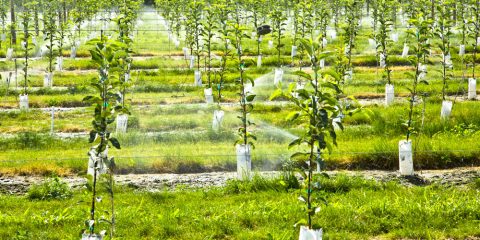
x=12, y=18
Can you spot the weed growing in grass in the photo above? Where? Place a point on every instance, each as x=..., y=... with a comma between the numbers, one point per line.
x=51, y=188
x=258, y=184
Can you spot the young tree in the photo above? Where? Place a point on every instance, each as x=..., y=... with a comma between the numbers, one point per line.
x=195, y=25
x=278, y=19
x=106, y=55
x=420, y=34
x=3, y=19
x=246, y=137
x=475, y=32
x=207, y=33
x=316, y=107
x=13, y=30
x=351, y=28
x=26, y=17
x=224, y=10
x=50, y=31
x=443, y=31
x=383, y=15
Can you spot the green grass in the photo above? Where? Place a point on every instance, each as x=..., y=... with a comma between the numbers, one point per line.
x=184, y=142
x=360, y=208
x=162, y=79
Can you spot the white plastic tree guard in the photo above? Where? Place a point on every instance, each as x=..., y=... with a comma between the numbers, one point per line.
x=34, y=40
x=9, y=54
x=332, y=33
x=3, y=37
x=127, y=77
x=446, y=109
x=406, y=48
x=98, y=160
x=259, y=61
x=394, y=37
x=7, y=77
x=176, y=43
x=208, y=95
x=461, y=50
x=122, y=123
x=423, y=71
x=448, y=61
x=23, y=101
x=382, y=60
x=198, y=78
x=478, y=40
x=43, y=50
x=372, y=43
x=337, y=121
x=403, y=22
x=472, y=88
x=270, y=44
x=300, y=86
x=248, y=89
x=389, y=94
x=217, y=120
x=254, y=34
x=59, y=65
x=310, y=234
x=185, y=52
x=347, y=49
x=349, y=75
x=405, y=157
x=324, y=42
x=87, y=236
x=48, y=79
x=192, y=62
x=260, y=39
x=52, y=122
x=73, y=52
x=244, y=162
x=322, y=63
x=294, y=51
x=23, y=44
x=278, y=76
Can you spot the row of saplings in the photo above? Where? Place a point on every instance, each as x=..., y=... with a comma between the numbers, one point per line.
x=317, y=106
x=53, y=36
x=382, y=48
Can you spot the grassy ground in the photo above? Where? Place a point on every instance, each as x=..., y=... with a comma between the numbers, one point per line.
x=179, y=139
x=183, y=140
x=262, y=209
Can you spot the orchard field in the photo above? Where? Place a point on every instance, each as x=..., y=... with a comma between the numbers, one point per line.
x=309, y=119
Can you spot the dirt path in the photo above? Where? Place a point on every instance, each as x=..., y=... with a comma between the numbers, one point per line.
x=158, y=182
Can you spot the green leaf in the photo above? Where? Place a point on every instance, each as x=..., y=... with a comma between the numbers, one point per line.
x=250, y=98
x=300, y=156
x=115, y=143
x=303, y=75
x=93, y=135
x=292, y=116
x=295, y=142
x=276, y=94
